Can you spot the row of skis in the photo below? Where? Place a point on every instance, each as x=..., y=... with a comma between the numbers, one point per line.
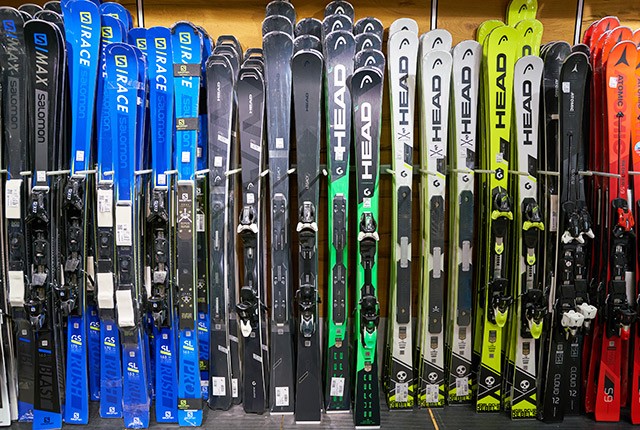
x=138, y=161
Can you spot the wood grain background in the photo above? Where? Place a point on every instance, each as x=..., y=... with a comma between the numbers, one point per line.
x=243, y=18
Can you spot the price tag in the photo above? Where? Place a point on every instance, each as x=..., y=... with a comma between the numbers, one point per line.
x=337, y=387
x=402, y=392
x=462, y=387
x=234, y=388
x=282, y=396
x=218, y=387
x=432, y=393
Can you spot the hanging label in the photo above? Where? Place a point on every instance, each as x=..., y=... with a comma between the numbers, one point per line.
x=402, y=392
x=200, y=222
x=234, y=388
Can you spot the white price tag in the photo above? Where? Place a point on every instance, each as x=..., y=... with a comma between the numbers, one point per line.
x=566, y=87
x=199, y=222
x=234, y=388
x=123, y=234
x=105, y=202
x=13, y=197
x=462, y=387
x=613, y=81
x=432, y=393
x=337, y=387
x=554, y=209
x=402, y=392
x=218, y=387
x=282, y=396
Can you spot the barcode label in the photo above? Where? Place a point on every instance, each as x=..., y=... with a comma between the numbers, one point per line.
x=566, y=87
x=105, y=202
x=123, y=234
x=200, y=222
x=431, y=394
x=337, y=387
x=218, y=387
x=462, y=387
x=13, y=197
x=613, y=82
x=234, y=388
x=282, y=396
x=402, y=392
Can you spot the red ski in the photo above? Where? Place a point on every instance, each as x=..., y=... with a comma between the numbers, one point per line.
x=635, y=157
x=617, y=316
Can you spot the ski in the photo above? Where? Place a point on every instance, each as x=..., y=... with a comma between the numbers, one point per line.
x=518, y=10
x=435, y=81
x=499, y=57
x=617, y=314
x=403, y=63
x=122, y=66
x=82, y=32
x=110, y=361
x=530, y=307
x=278, y=50
x=160, y=231
x=635, y=160
x=231, y=46
x=187, y=50
x=221, y=77
x=466, y=58
x=339, y=51
x=251, y=308
x=367, y=85
x=307, y=73
x=47, y=60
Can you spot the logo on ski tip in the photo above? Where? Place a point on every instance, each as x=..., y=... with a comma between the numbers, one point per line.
x=107, y=33
x=402, y=376
x=40, y=39
x=623, y=58
x=121, y=60
x=525, y=385
x=432, y=377
x=85, y=18
x=467, y=52
x=461, y=370
x=499, y=173
x=185, y=38
x=489, y=381
x=405, y=41
x=340, y=41
x=436, y=41
x=160, y=42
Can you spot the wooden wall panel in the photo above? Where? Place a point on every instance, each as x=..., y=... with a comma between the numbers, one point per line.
x=628, y=11
x=462, y=20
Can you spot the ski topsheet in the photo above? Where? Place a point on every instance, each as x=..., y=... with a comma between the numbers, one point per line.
x=367, y=83
x=339, y=50
x=159, y=227
x=221, y=78
x=251, y=307
x=47, y=59
x=499, y=53
x=82, y=31
x=307, y=73
x=278, y=50
x=187, y=51
x=403, y=61
x=435, y=81
x=526, y=323
x=466, y=60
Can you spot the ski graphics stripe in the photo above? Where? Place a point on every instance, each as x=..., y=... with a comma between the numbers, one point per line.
x=466, y=59
x=220, y=99
x=307, y=74
x=46, y=53
x=13, y=60
x=122, y=67
x=620, y=90
x=435, y=81
x=499, y=57
x=403, y=62
x=110, y=374
x=161, y=304
x=82, y=32
x=278, y=49
x=530, y=304
x=339, y=49
x=187, y=51
x=367, y=84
